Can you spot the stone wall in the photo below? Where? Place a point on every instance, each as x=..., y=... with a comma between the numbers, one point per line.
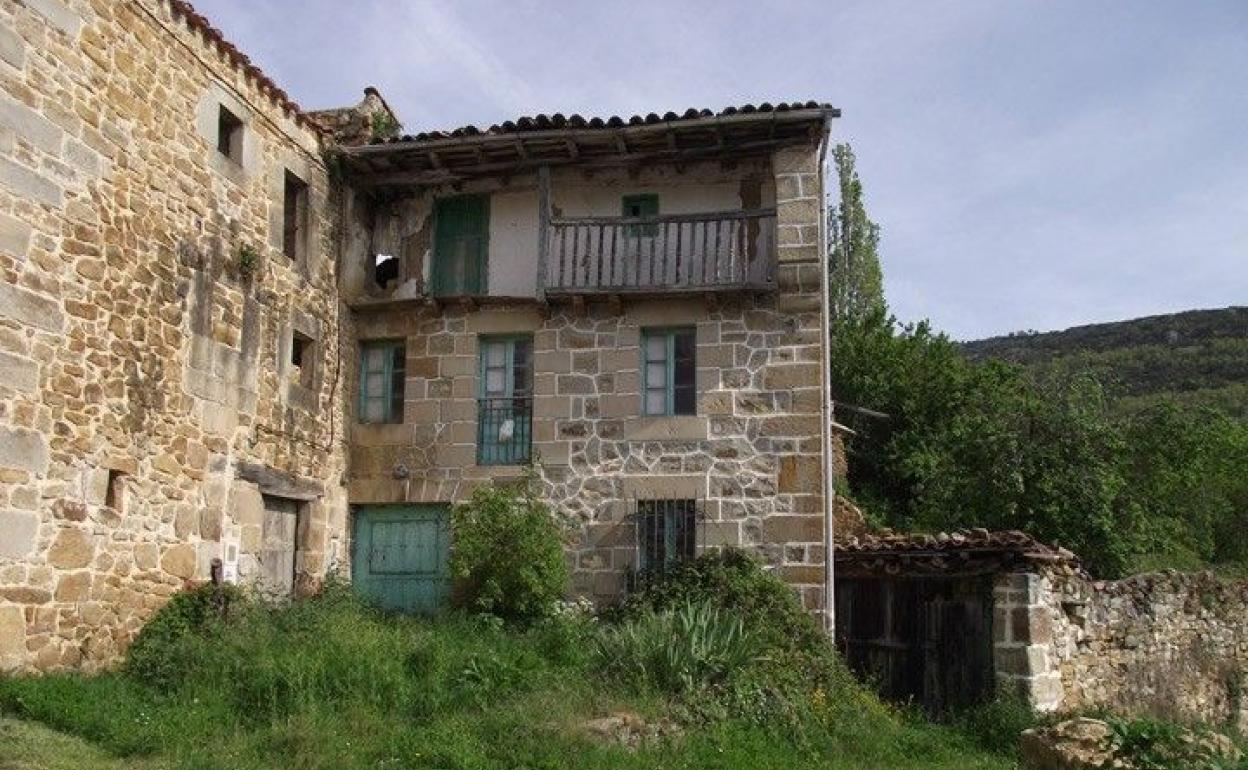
x=1171, y=645
x=147, y=395
x=752, y=453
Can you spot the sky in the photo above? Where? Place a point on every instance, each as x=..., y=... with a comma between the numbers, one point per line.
x=1032, y=164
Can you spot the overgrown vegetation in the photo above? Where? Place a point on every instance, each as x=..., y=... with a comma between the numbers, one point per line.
x=330, y=683
x=1050, y=448
x=508, y=558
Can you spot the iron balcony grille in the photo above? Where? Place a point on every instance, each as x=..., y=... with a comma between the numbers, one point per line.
x=682, y=252
x=504, y=430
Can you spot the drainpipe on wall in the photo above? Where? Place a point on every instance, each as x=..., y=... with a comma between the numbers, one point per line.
x=829, y=490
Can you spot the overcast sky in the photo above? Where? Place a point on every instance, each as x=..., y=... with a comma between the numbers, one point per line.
x=1034, y=165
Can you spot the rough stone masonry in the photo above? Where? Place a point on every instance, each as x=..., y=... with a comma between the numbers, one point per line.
x=179, y=329
x=146, y=400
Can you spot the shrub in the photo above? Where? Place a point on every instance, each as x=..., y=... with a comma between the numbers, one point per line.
x=996, y=725
x=508, y=557
x=678, y=652
x=736, y=582
x=158, y=656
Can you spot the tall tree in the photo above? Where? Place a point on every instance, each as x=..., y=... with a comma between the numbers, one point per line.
x=856, y=281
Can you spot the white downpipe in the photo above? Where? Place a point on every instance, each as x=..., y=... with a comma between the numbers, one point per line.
x=829, y=491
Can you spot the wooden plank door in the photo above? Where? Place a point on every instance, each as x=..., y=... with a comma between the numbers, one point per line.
x=276, y=579
x=400, y=556
x=958, y=666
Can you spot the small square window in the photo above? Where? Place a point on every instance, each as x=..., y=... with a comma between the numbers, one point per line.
x=229, y=135
x=382, y=376
x=294, y=216
x=667, y=533
x=669, y=369
x=303, y=358
x=639, y=206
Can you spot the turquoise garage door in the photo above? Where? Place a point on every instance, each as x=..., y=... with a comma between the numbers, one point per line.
x=400, y=553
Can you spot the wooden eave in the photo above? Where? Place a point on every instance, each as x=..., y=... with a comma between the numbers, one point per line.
x=454, y=159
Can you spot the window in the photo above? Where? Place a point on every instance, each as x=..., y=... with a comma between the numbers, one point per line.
x=505, y=404
x=666, y=532
x=229, y=135
x=461, y=245
x=303, y=358
x=115, y=492
x=642, y=205
x=382, y=373
x=294, y=216
x=668, y=368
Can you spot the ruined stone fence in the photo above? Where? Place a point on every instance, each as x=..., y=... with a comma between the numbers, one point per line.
x=1164, y=644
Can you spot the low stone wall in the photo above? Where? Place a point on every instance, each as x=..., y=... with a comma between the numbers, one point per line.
x=1163, y=644
x=1169, y=645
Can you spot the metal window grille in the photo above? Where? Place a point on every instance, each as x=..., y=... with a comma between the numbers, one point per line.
x=504, y=430
x=668, y=532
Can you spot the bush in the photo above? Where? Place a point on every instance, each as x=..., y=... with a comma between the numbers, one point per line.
x=158, y=655
x=677, y=652
x=736, y=582
x=996, y=725
x=508, y=556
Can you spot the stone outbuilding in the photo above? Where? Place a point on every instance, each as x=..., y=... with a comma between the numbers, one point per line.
x=951, y=619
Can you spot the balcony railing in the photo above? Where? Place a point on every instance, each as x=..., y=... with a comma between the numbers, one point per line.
x=674, y=253
x=504, y=430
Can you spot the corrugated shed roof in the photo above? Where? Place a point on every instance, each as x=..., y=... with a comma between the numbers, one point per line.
x=544, y=122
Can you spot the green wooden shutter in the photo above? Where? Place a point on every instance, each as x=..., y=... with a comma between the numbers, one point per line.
x=461, y=245
x=640, y=205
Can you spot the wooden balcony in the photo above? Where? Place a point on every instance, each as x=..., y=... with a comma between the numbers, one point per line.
x=682, y=253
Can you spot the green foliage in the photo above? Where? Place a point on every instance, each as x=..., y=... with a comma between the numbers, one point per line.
x=248, y=260
x=856, y=281
x=329, y=683
x=996, y=725
x=1198, y=358
x=1149, y=744
x=156, y=657
x=677, y=652
x=989, y=444
x=508, y=557
x=384, y=125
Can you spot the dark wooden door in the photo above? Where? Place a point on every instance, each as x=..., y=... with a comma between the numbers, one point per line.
x=957, y=668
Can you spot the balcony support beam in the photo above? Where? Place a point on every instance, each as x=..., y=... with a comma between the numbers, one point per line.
x=543, y=229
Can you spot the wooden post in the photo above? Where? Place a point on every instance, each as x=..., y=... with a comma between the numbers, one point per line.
x=543, y=228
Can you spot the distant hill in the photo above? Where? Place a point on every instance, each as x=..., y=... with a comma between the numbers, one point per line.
x=1199, y=356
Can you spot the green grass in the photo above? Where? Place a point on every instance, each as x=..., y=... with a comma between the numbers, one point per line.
x=328, y=683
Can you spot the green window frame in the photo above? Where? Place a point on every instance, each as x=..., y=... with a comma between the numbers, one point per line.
x=461, y=245
x=640, y=205
x=669, y=371
x=382, y=377
x=504, y=399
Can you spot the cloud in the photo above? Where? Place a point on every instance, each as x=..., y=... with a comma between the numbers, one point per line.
x=1034, y=164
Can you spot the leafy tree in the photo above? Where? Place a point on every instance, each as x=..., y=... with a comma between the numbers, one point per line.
x=856, y=279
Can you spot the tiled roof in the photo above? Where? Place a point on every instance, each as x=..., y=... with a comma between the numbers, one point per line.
x=558, y=121
x=980, y=540
x=213, y=36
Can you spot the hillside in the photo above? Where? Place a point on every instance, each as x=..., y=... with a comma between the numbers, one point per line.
x=1199, y=357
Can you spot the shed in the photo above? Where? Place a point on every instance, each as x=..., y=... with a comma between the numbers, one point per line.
x=930, y=618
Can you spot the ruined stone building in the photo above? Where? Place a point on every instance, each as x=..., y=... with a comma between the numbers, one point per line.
x=235, y=330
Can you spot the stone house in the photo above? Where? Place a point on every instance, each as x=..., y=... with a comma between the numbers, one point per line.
x=232, y=329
